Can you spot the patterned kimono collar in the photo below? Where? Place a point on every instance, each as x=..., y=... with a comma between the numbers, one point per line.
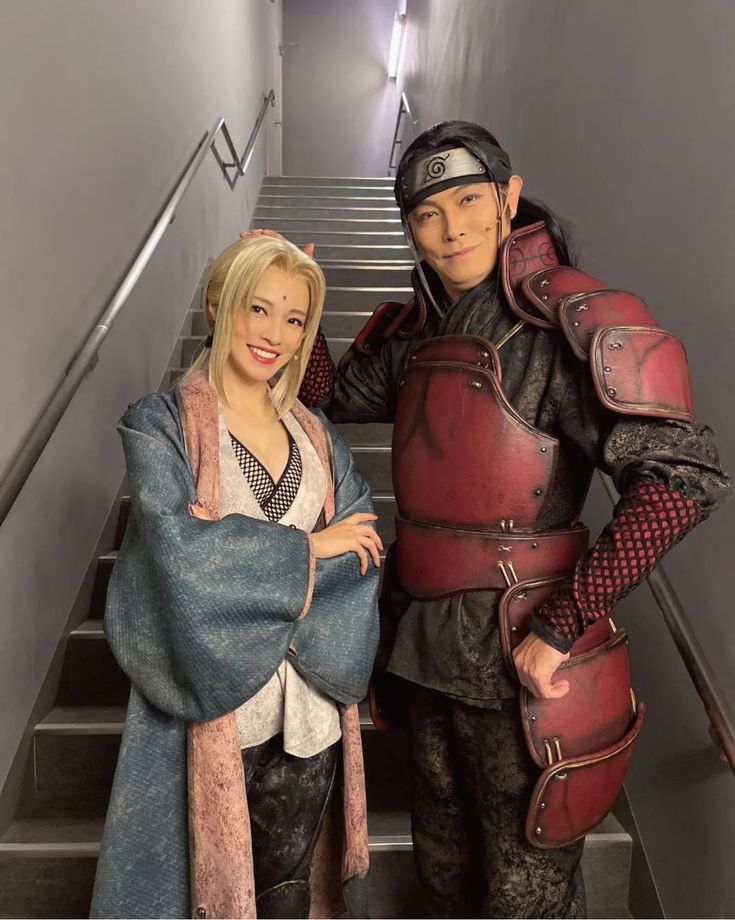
x=200, y=420
x=236, y=496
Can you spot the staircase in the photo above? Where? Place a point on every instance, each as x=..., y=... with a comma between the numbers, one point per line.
x=48, y=854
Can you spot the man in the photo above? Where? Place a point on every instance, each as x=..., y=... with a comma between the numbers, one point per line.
x=509, y=378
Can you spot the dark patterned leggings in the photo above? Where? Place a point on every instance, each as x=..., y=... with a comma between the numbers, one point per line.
x=472, y=778
x=287, y=797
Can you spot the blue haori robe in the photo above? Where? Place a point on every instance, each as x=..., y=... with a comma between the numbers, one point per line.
x=200, y=614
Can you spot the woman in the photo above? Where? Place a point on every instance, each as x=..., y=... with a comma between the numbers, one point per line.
x=245, y=622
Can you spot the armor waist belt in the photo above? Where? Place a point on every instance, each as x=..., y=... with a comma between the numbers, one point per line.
x=435, y=561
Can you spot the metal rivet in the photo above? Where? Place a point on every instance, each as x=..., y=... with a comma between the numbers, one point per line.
x=607, y=368
x=413, y=358
x=201, y=912
x=545, y=282
x=544, y=449
x=582, y=306
x=542, y=805
x=513, y=242
x=537, y=832
x=615, y=345
x=575, y=323
x=400, y=384
x=476, y=384
x=539, y=491
x=611, y=391
x=532, y=719
x=514, y=629
x=483, y=354
x=544, y=297
x=534, y=545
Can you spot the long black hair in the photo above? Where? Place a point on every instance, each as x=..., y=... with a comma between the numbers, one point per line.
x=469, y=135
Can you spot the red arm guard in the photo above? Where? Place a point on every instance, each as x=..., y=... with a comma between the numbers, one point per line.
x=318, y=383
x=648, y=520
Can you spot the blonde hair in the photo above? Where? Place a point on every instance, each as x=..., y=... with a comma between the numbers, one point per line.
x=231, y=284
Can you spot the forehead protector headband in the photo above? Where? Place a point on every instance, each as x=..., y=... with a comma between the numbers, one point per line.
x=444, y=168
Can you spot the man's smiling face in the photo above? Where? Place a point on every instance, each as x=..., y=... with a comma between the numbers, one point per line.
x=458, y=231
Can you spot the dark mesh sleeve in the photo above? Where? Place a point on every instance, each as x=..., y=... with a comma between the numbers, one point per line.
x=670, y=479
x=317, y=386
x=646, y=523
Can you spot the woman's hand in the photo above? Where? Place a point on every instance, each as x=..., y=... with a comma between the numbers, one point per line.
x=308, y=248
x=353, y=535
x=536, y=661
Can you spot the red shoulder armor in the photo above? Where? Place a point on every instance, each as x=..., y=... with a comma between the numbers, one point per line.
x=637, y=367
x=389, y=319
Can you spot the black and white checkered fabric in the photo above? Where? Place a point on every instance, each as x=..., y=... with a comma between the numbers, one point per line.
x=274, y=498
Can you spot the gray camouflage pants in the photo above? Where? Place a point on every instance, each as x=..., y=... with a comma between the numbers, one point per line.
x=472, y=779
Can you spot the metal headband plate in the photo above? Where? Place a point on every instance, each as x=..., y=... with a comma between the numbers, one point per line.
x=443, y=167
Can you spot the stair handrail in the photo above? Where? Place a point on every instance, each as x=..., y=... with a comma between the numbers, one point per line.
x=716, y=705
x=403, y=109
x=87, y=355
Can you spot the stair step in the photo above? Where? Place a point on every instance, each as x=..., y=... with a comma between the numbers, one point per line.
x=89, y=629
x=328, y=193
x=341, y=198
x=336, y=212
x=76, y=751
x=332, y=181
x=303, y=235
x=368, y=274
x=91, y=676
x=361, y=251
x=312, y=225
x=82, y=720
x=342, y=323
x=60, y=837
x=373, y=434
x=364, y=297
x=47, y=868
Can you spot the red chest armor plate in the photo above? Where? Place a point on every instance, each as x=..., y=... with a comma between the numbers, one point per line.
x=470, y=476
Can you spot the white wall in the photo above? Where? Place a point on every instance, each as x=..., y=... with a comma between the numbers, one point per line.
x=618, y=117
x=102, y=105
x=339, y=107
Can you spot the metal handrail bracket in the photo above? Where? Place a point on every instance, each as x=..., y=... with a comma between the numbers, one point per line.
x=241, y=163
x=86, y=356
x=403, y=109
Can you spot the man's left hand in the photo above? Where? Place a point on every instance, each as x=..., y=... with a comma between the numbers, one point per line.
x=244, y=234
x=536, y=661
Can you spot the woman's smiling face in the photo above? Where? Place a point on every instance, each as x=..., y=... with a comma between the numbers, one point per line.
x=267, y=334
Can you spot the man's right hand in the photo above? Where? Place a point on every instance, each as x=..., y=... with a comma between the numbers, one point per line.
x=353, y=535
x=244, y=234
